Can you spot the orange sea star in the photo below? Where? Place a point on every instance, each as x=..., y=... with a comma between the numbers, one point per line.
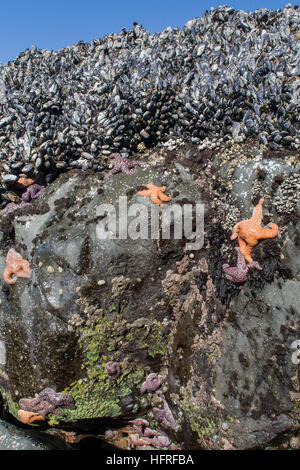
x=24, y=181
x=17, y=266
x=28, y=417
x=156, y=193
x=249, y=232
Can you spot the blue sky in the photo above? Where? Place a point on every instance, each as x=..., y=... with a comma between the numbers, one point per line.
x=53, y=24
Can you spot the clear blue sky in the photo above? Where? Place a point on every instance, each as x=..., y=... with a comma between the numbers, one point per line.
x=53, y=24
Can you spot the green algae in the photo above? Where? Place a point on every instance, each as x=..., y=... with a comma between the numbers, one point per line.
x=13, y=406
x=157, y=343
x=203, y=426
x=96, y=394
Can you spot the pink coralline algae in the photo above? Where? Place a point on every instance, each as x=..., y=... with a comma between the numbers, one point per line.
x=239, y=273
x=113, y=368
x=32, y=192
x=123, y=165
x=152, y=383
x=15, y=266
x=165, y=416
x=47, y=401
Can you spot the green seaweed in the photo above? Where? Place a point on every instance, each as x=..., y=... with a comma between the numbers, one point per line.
x=203, y=426
x=97, y=394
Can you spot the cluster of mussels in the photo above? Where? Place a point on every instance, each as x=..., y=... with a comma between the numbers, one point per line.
x=227, y=75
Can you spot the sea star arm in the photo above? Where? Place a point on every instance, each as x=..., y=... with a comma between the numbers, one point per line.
x=264, y=233
x=164, y=197
x=23, y=270
x=257, y=212
x=235, y=231
x=128, y=172
x=237, y=273
x=145, y=192
x=7, y=276
x=110, y=173
x=255, y=265
x=245, y=250
x=155, y=199
x=135, y=163
x=241, y=263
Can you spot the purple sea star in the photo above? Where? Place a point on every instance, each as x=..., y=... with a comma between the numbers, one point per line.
x=143, y=431
x=32, y=192
x=11, y=207
x=165, y=416
x=113, y=368
x=161, y=441
x=141, y=427
x=239, y=273
x=152, y=383
x=47, y=401
x=123, y=165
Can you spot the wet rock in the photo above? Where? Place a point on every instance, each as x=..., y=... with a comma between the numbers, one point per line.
x=14, y=438
x=224, y=350
x=58, y=322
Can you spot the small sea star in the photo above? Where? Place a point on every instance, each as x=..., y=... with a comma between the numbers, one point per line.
x=161, y=441
x=165, y=416
x=24, y=181
x=141, y=427
x=11, y=207
x=249, y=232
x=17, y=266
x=239, y=272
x=152, y=383
x=28, y=417
x=47, y=401
x=32, y=192
x=156, y=193
x=113, y=368
x=135, y=440
x=123, y=165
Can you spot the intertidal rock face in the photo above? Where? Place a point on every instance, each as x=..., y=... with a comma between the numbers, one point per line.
x=222, y=351
x=89, y=301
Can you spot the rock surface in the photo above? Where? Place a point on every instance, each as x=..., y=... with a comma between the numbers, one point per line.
x=223, y=350
x=14, y=438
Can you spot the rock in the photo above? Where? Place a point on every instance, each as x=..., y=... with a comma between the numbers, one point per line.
x=223, y=351
x=14, y=438
x=40, y=320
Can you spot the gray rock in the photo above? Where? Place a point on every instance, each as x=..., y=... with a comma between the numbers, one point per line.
x=64, y=252
x=14, y=438
x=225, y=350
